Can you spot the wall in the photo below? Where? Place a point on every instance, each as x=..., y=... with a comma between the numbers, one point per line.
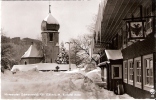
x=136, y=92
x=51, y=51
x=140, y=48
x=31, y=60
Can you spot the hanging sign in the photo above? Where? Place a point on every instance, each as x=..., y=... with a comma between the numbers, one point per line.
x=135, y=29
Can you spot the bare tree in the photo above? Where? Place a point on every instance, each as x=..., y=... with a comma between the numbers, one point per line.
x=82, y=44
x=91, y=27
x=80, y=49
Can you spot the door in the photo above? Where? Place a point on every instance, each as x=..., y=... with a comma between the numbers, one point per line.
x=116, y=76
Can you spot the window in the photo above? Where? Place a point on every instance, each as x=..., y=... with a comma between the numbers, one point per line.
x=50, y=36
x=138, y=77
x=125, y=64
x=148, y=24
x=131, y=71
x=148, y=72
x=131, y=74
x=116, y=71
x=138, y=71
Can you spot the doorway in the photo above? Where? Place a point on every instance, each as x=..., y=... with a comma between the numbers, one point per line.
x=25, y=63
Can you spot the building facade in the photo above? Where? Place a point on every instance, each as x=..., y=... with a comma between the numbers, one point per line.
x=129, y=26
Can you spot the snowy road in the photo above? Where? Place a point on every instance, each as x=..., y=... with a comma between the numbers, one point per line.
x=52, y=85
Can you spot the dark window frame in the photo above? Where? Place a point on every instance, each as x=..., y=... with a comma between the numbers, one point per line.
x=51, y=37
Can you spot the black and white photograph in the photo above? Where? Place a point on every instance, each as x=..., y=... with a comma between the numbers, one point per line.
x=78, y=49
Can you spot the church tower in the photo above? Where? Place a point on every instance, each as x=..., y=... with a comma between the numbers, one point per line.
x=50, y=38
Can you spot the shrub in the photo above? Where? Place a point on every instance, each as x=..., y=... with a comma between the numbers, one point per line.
x=5, y=62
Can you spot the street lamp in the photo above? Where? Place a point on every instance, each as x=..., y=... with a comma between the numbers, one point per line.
x=69, y=55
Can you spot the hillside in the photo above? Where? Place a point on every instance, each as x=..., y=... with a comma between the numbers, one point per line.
x=13, y=48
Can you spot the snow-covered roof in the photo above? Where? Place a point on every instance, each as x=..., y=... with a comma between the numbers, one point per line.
x=114, y=54
x=52, y=66
x=32, y=52
x=103, y=63
x=43, y=66
x=23, y=67
x=50, y=19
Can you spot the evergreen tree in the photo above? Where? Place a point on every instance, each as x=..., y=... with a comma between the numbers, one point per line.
x=63, y=57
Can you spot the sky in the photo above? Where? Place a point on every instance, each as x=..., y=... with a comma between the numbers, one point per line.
x=23, y=18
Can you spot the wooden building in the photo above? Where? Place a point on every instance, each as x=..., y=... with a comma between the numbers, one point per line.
x=128, y=26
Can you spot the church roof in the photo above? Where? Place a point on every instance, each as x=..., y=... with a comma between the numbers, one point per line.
x=50, y=19
x=50, y=23
x=32, y=52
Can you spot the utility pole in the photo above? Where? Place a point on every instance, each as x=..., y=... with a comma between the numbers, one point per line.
x=69, y=55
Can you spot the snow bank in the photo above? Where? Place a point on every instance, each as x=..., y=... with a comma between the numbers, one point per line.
x=94, y=75
x=52, y=85
x=23, y=67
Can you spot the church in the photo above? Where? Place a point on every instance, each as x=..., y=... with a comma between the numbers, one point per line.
x=50, y=43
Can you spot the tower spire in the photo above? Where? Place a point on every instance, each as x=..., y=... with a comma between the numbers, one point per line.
x=49, y=8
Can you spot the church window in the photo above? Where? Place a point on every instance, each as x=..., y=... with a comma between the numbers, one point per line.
x=50, y=36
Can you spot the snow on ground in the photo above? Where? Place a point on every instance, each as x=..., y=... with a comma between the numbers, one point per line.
x=53, y=85
x=94, y=75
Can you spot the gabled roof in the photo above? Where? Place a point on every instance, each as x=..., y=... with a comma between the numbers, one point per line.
x=32, y=52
